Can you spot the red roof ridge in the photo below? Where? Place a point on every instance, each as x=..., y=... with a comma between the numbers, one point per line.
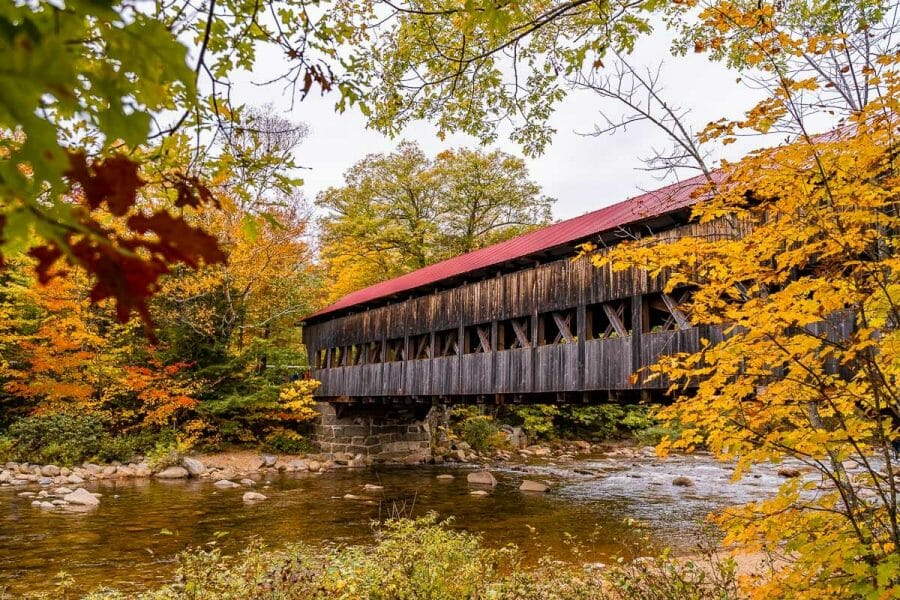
x=655, y=203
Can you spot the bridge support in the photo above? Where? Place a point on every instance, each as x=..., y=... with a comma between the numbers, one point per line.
x=382, y=431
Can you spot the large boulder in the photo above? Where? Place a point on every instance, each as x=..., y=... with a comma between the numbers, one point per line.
x=173, y=473
x=481, y=478
x=75, y=479
x=194, y=467
x=266, y=461
x=682, y=481
x=534, y=486
x=50, y=471
x=82, y=497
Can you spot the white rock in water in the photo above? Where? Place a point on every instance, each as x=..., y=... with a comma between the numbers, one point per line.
x=194, y=467
x=533, y=486
x=445, y=476
x=248, y=482
x=253, y=497
x=371, y=487
x=173, y=473
x=225, y=484
x=75, y=479
x=62, y=491
x=478, y=493
x=481, y=478
x=82, y=497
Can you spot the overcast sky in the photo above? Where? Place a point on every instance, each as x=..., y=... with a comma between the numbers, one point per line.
x=581, y=173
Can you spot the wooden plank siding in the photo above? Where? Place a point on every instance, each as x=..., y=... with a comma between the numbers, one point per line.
x=547, y=296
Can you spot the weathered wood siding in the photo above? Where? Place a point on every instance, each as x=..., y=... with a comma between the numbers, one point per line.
x=580, y=364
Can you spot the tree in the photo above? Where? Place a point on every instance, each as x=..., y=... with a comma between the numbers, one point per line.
x=802, y=279
x=93, y=95
x=403, y=211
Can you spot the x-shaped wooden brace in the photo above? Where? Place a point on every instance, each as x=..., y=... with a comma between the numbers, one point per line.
x=614, y=314
x=422, y=346
x=450, y=342
x=670, y=305
x=520, y=327
x=563, y=324
x=484, y=338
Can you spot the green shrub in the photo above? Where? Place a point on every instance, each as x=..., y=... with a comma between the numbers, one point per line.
x=62, y=439
x=6, y=449
x=164, y=454
x=421, y=558
x=476, y=428
x=287, y=441
x=537, y=419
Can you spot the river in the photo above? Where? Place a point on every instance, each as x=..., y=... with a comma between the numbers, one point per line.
x=132, y=539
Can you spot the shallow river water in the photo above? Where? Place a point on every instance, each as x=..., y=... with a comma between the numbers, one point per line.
x=132, y=539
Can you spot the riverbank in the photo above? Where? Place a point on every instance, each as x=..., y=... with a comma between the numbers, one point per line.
x=131, y=538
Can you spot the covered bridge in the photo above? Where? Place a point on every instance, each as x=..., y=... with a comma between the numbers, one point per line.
x=517, y=321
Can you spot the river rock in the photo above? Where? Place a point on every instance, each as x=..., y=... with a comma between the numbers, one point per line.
x=314, y=465
x=417, y=458
x=82, y=497
x=789, y=472
x=75, y=479
x=266, y=460
x=125, y=471
x=173, y=473
x=371, y=487
x=45, y=481
x=50, y=471
x=225, y=484
x=481, y=478
x=533, y=486
x=91, y=468
x=445, y=476
x=683, y=481
x=194, y=467
x=248, y=482
x=352, y=497
x=5, y=477
x=142, y=470
x=27, y=494
x=358, y=462
x=298, y=465
x=478, y=493
x=253, y=497
x=62, y=491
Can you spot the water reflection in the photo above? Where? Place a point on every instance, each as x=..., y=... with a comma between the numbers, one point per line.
x=133, y=537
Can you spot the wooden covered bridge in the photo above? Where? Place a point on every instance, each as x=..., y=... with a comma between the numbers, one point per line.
x=517, y=321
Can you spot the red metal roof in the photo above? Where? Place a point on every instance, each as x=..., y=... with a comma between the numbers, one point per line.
x=652, y=204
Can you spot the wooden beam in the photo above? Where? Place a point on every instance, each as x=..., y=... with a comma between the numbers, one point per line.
x=484, y=338
x=521, y=335
x=683, y=322
x=615, y=320
x=563, y=325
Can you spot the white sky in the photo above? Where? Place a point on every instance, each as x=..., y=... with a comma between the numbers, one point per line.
x=581, y=173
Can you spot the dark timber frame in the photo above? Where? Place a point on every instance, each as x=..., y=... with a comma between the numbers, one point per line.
x=551, y=331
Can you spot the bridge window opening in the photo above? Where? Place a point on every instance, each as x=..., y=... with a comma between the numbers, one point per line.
x=477, y=339
x=666, y=312
x=608, y=320
x=337, y=359
x=352, y=355
x=446, y=343
x=373, y=353
x=420, y=346
x=557, y=327
x=321, y=357
x=396, y=350
x=514, y=333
